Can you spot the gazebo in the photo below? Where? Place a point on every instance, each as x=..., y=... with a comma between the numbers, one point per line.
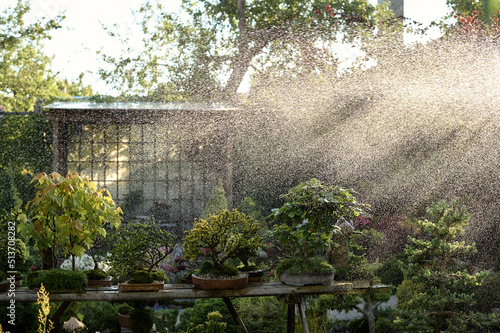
x=155, y=159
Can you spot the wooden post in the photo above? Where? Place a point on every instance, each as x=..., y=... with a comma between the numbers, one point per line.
x=60, y=311
x=290, y=319
x=234, y=314
x=303, y=317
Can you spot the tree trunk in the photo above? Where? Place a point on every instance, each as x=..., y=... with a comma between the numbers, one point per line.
x=49, y=260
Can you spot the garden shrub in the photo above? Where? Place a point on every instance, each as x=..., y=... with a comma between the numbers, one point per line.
x=58, y=279
x=166, y=319
x=262, y=314
x=100, y=316
x=197, y=315
x=390, y=273
x=142, y=320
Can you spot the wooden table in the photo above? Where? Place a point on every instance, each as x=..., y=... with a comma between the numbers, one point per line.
x=292, y=296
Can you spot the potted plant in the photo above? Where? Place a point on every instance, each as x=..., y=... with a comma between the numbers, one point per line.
x=308, y=221
x=218, y=239
x=124, y=315
x=138, y=248
x=98, y=278
x=58, y=280
x=69, y=213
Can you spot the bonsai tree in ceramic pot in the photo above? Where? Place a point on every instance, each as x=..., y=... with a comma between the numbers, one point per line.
x=219, y=239
x=308, y=221
x=68, y=213
x=138, y=248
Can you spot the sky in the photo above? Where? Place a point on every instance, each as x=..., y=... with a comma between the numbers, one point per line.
x=75, y=46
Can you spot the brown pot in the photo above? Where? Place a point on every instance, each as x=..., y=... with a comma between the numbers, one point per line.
x=124, y=321
x=306, y=279
x=126, y=287
x=239, y=282
x=255, y=276
x=99, y=283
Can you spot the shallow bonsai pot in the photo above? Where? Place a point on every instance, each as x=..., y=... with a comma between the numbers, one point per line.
x=306, y=279
x=238, y=282
x=127, y=287
x=99, y=283
x=255, y=276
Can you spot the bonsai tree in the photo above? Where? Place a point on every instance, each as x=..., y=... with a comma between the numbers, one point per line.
x=68, y=212
x=139, y=246
x=309, y=217
x=216, y=203
x=439, y=283
x=228, y=235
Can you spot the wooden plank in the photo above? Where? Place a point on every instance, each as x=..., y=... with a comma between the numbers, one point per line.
x=235, y=315
x=185, y=291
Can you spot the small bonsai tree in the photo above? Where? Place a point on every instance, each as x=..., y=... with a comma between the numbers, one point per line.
x=441, y=296
x=220, y=237
x=139, y=245
x=309, y=216
x=216, y=203
x=68, y=212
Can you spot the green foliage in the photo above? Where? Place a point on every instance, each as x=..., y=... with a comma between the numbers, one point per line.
x=390, y=273
x=125, y=309
x=487, y=295
x=309, y=215
x=144, y=276
x=299, y=266
x=26, y=314
x=216, y=203
x=139, y=245
x=166, y=320
x=96, y=274
x=58, y=279
x=100, y=316
x=207, y=269
x=7, y=244
x=262, y=314
x=197, y=315
x=142, y=320
x=25, y=70
x=221, y=237
x=69, y=212
x=438, y=294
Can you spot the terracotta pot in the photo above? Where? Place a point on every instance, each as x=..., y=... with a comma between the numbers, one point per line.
x=124, y=321
x=306, y=279
x=239, y=282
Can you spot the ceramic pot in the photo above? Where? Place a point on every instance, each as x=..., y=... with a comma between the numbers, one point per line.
x=126, y=287
x=124, y=321
x=99, y=283
x=238, y=282
x=306, y=279
x=255, y=276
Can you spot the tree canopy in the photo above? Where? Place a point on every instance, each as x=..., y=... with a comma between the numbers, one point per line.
x=206, y=54
x=25, y=75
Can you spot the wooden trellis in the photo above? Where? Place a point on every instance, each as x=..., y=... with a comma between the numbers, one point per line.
x=155, y=159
